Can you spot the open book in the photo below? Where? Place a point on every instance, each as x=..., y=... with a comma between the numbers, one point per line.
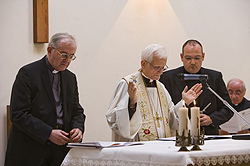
x=236, y=124
x=103, y=144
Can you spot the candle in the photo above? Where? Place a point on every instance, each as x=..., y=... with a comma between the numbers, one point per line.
x=195, y=121
x=183, y=120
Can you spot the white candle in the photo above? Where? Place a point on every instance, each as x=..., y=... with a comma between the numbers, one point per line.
x=195, y=121
x=183, y=120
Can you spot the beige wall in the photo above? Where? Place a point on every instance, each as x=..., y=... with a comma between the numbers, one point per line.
x=111, y=35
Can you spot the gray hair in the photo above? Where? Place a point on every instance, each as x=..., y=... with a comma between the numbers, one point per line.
x=239, y=81
x=152, y=49
x=56, y=38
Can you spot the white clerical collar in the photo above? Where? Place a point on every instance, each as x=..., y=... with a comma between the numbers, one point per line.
x=150, y=80
x=55, y=71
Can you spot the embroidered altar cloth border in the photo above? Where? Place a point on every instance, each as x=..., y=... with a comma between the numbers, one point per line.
x=162, y=153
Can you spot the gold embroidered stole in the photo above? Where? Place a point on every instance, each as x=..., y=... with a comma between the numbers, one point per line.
x=148, y=129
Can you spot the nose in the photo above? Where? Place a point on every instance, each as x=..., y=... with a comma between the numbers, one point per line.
x=161, y=70
x=233, y=96
x=192, y=61
x=67, y=59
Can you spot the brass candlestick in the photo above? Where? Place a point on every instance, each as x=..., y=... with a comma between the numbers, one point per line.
x=183, y=141
x=199, y=140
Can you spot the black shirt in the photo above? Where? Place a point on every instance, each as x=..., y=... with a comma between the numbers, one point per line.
x=244, y=104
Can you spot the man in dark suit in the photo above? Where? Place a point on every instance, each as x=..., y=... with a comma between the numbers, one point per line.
x=237, y=90
x=192, y=57
x=44, y=108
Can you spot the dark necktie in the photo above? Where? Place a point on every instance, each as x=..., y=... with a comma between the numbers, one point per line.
x=56, y=91
x=55, y=83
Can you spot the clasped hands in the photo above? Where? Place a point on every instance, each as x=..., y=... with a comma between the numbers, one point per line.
x=60, y=137
x=223, y=132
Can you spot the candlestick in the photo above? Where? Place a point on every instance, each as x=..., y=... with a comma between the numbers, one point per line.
x=195, y=121
x=183, y=120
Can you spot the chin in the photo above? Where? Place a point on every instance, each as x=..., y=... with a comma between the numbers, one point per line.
x=193, y=70
x=156, y=78
x=62, y=69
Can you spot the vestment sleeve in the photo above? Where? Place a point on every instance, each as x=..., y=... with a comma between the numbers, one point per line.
x=118, y=114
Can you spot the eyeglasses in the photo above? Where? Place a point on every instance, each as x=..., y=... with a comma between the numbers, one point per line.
x=197, y=58
x=158, y=68
x=237, y=93
x=66, y=55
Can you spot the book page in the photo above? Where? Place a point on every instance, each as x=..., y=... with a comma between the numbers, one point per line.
x=231, y=126
x=245, y=114
x=236, y=124
x=103, y=144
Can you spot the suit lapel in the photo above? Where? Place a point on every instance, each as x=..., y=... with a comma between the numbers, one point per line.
x=47, y=83
x=63, y=86
x=64, y=93
x=204, y=93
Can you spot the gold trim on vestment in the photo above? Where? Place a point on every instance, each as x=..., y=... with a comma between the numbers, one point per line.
x=148, y=129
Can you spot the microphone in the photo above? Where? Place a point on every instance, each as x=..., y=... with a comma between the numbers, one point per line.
x=201, y=77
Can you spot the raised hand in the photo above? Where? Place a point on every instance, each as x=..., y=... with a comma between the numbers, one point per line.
x=190, y=95
x=132, y=93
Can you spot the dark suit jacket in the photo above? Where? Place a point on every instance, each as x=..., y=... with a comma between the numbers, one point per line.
x=33, y=112
x=217, y=111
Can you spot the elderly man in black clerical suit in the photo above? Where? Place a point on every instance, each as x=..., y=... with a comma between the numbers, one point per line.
x=192, y=57
x=237, y=90
x=44, y=108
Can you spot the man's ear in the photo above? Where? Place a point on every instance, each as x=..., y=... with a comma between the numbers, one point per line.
x=182, y=56
x=49, y=50
x=244, y=93
x=203, y=56
x=143, y=63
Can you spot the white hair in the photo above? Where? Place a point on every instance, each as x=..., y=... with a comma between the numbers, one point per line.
x=150, y=50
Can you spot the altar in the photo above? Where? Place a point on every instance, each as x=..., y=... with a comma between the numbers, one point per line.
x=228, y=152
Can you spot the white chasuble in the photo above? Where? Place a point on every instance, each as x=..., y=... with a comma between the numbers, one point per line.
x=144, y=109
x=143, y=125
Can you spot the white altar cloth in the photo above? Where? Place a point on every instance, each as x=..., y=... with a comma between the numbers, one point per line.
x=162, y=153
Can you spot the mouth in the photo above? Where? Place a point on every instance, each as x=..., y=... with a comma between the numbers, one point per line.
x=63, y=64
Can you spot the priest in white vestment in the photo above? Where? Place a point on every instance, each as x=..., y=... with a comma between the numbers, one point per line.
x=141, y=108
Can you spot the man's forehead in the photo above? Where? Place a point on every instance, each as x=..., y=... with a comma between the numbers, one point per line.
x=193, y=55
x=234, y=87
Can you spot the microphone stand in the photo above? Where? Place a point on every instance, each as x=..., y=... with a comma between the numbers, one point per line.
x=204, y=81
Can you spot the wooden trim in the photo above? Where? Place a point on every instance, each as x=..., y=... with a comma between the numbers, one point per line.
x=40, y=21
